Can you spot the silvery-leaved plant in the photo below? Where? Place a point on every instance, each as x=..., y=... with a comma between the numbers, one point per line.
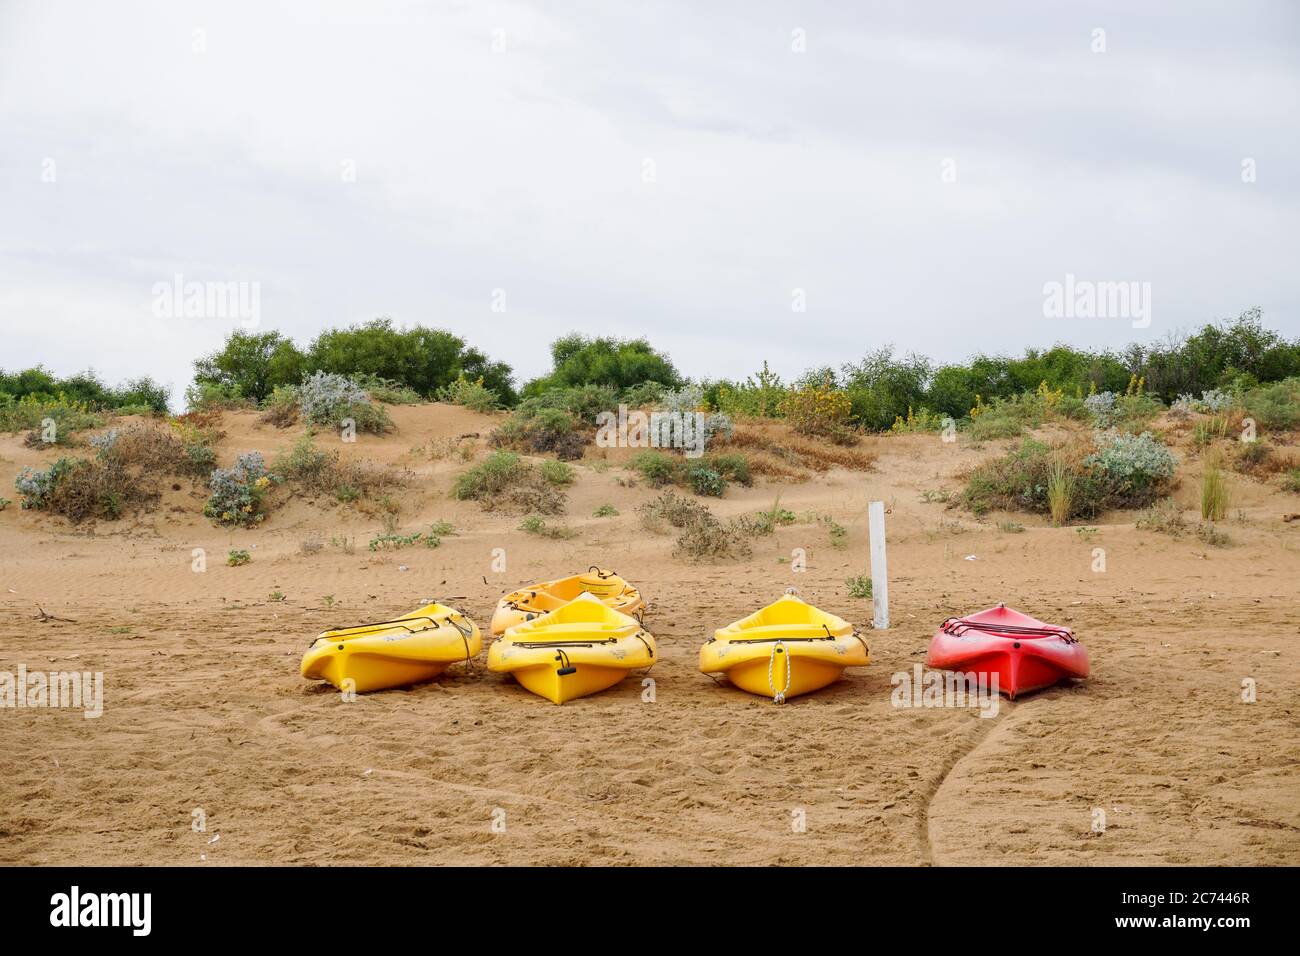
x=1101, y=406
x=1211, y=401
x=104, y=443
x=237, y=492
x=1136, y=459
x=687, y=400
x=327, y=398
x=682, y=400
x=37, y=486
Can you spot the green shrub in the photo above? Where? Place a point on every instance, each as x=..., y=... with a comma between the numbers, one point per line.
x=605, y=511
x=766, y=522
x=557, y=473
x=1275, y=406
x=237, y=556
x=536, y=524
x=838, y=533
x=707, y=475
x=307, y=464
x=759, y=396
x=473, y=395
x=541, y=429
x=387, y=390
x=491, y=477
x=215, y=396
x=1126, y=471
x=246, y=369
x=614, y=363
x=920, y=420
x=820, y=410
x=658, y=468
x=34, y=411
x=994, y=426
x=881, y=387
x=324, y=472
x=732, y=466
x=1014, y=481
x=859, y=586
x=503, y=479
x=705, y=481
x=643, y=395
x=281, y=408
x=1135, y=412
x=393, y=541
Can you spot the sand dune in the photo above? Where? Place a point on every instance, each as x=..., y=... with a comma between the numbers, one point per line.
x=204, y=707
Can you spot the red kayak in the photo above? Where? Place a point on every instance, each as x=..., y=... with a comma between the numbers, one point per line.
x=1023, y=652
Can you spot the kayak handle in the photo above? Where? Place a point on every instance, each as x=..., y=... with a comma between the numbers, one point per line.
x=396, y=622
x=957, y=626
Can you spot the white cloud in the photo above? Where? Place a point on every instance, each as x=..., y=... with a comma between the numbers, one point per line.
x=522, y=170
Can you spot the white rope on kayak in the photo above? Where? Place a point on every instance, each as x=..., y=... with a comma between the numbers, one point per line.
x=778, y=696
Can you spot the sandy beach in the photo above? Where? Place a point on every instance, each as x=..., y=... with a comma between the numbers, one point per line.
x=204, y=709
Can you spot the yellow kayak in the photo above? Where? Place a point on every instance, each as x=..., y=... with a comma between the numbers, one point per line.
x=584, y=647
x=786, y=649
x=538, y=599
x=408, y=650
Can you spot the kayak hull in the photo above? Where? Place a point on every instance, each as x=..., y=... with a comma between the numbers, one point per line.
x=1022, y=653
x=784, y=650
x=804, y=674
x=408, y=650
x=544, y=680
x=533, y=601
x=582, y=648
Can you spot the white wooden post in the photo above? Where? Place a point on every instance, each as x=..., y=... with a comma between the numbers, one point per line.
x=879, y=573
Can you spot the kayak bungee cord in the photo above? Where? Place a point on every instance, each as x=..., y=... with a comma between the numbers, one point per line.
x=957, y=625
x=396, y=622
x=591, y=643
x=464, y=636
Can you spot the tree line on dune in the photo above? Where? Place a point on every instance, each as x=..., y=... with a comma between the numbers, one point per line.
x=431, y=364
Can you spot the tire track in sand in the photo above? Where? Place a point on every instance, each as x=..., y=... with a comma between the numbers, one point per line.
x=980, y=736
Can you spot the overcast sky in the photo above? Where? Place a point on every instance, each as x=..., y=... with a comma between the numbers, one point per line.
x=673, y=170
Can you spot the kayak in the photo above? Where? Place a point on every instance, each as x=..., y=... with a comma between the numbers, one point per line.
x=786, y=649
x=579, y=649
x=410, y=649
x=1024, y=653
x=546, y=596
